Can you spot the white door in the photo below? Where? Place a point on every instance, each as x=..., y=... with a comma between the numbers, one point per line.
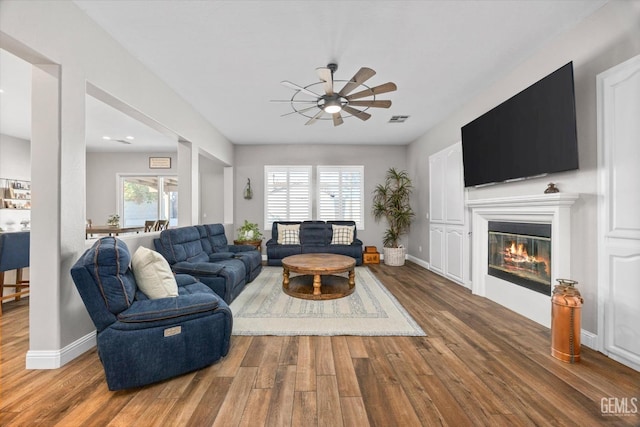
x=454, y=262
x=619, y=212
x=436, y=248
x=454, y=185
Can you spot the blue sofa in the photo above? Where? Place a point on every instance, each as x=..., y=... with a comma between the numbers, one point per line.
x=140, y=340
x=314, y=237
x=202, y=251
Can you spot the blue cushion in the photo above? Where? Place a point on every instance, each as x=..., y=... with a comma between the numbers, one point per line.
x=169, y=308
x=14, y=250
x=181, y=244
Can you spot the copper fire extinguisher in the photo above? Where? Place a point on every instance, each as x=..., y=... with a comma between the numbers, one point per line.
x=566, y=303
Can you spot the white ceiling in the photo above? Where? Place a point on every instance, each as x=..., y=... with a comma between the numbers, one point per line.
x=227, y=58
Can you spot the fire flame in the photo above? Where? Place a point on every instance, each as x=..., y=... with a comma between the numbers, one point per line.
x=516, y=253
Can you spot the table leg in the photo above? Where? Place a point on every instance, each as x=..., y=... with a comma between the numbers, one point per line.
x=352, y=278
x=285, y=277
x=316, y=284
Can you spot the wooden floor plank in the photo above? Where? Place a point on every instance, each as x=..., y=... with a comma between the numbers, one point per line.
x=306, y=367
x=345, y=373
x=479, y=365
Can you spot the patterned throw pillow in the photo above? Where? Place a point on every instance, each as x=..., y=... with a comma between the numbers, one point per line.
x=342, y=234
x=283, y=227
x=291, y=237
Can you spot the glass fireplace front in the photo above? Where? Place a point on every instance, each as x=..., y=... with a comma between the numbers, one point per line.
x=520, y=253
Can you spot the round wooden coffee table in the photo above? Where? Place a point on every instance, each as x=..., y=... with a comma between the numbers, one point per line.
x=318, y=280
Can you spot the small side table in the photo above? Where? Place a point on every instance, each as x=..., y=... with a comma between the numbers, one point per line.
x=256, y=243
x=370, y=255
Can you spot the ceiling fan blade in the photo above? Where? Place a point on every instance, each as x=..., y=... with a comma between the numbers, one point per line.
x=326, y=76
x=313, y=119
x=298, y=101
x=299, y=111
x=337, y=119
x=360, y=77
x=376, y=103
x=357, y=113
x=383, y=88
x=300, y=88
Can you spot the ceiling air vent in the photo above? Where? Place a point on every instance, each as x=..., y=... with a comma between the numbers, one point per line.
x=398, y=119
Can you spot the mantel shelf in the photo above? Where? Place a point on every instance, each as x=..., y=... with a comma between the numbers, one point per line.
x=553, y=199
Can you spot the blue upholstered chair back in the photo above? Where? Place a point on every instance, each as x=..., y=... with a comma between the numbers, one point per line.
x=105, y=281
x=215, y=238
x=14, y=250
x=181, y=244
x=315, y=233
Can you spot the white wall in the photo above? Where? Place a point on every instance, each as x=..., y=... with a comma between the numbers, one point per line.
x=610, y=36
x=251, y=159
x=211, y=192
x=71, y=52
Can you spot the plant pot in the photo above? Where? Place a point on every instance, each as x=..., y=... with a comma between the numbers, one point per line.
x=394, y=256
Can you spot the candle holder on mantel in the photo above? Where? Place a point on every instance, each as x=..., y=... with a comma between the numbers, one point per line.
x=551, y=188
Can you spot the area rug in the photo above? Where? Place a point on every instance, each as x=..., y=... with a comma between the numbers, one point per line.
x=264, y=309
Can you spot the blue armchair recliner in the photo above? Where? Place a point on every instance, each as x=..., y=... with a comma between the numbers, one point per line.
x=141, y=341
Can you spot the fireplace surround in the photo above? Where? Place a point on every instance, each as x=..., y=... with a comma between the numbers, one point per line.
x=553, y=210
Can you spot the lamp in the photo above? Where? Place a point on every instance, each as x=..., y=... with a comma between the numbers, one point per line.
x=332, y=106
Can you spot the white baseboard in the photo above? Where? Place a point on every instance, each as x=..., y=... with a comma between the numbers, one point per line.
x=418, y=261
x=589, y=339
x=53, y=359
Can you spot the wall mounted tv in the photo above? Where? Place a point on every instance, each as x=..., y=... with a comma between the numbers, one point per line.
x=532, y=133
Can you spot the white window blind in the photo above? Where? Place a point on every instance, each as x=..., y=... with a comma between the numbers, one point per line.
x=341, y=194
x=287, y=194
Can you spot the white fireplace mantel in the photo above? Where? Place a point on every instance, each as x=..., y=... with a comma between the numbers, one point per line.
x=554, y=209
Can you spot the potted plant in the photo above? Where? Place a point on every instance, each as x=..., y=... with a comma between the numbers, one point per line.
x=391, y=201
x=113, y=220
x=249, y=232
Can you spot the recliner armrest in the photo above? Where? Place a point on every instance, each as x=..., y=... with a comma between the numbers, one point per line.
x=185, y=279
x=152, y=310
x=197, y=268
x=219, y=256
x=242, y=248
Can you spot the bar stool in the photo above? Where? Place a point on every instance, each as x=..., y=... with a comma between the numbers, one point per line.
x=14, y=255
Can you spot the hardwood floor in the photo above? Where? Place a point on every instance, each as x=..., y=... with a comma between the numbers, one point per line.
x=480, y=365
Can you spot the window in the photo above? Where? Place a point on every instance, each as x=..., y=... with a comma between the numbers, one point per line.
x=148, y=198
x=341, y=194
x=287, y=194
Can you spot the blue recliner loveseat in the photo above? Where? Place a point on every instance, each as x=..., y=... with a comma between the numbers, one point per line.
x=140, y=340
x=202, y=251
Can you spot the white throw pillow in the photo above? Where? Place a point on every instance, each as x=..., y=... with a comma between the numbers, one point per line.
x=153, y=274
x=281, y=232
x=342, y=234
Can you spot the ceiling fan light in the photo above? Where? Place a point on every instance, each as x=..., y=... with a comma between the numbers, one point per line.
x=332, y=106
x=332, y=109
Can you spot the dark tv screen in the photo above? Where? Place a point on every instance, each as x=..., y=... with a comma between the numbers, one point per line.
x=532, y=133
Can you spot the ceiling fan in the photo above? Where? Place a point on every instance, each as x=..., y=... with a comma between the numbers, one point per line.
x=336, y=103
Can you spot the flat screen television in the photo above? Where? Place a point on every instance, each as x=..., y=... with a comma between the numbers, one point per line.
x=532, y=133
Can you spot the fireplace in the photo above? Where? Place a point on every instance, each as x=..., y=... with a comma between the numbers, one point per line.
x=520, y=253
